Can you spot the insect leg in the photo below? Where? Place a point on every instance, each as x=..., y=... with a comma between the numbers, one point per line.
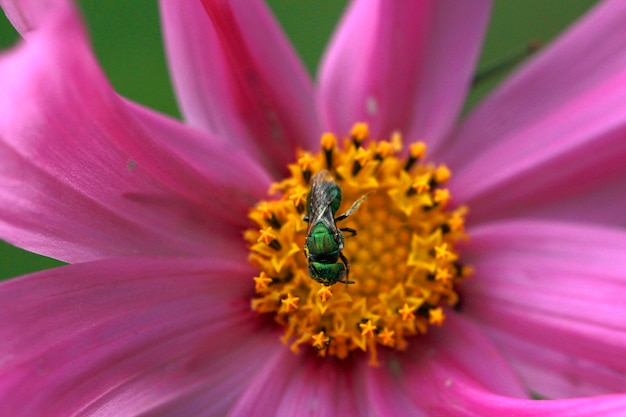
x=349, y=230
x=345, y=261
x=352, y=208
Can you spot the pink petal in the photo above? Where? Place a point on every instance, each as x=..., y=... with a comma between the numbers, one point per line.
x=550, y=140
x=29, y=15
x=420, y=381
x=237, y=76
x=129, y=337
x=84, y=176
x=553, y=297
x=401, y=66
x=291, y=385
x=468, y=401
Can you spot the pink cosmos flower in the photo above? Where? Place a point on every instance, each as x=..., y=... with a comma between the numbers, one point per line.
x=153, y=317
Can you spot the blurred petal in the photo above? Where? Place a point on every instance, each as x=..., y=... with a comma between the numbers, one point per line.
x=552, y=136
x=237, y=76
x=128, y=336
x=419, y=382
x=291, y=385
x=29, y=15
x=85, y=176
x=560, y=291
x=469, y=401
x=401, y=66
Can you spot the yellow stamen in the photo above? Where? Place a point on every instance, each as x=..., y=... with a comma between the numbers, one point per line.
x=329, y=141
x=360, y=132
x=407, y=312
x=441, y=196
x=386, y=337
x=442, y=174
x=320, y=340
x=324, y=293
x=261, y=282
x=417, y=150
x=367, y=328
x=267, y=235
x=421, y=183
x=403, y=259
x=436, y=316
x=290, y=303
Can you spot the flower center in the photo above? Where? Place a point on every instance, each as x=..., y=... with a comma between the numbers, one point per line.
x=357, y=247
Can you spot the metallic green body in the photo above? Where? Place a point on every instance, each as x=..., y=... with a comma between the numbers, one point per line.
x=324, y=241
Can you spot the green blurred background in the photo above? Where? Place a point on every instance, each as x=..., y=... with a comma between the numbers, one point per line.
x=127, y=41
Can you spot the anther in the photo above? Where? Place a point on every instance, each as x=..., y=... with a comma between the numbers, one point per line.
x=328, y=143
x=416, y=152
x=324, y=293
x=362, y=157
x=360, y=132
x=299, y=199
x=306, y=162
x=367, y=328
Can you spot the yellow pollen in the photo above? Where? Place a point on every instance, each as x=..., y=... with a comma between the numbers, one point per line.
x=367, y=328
x=329, y=141
x=407, y=312
x=261, y=282
x=386, y=337
x=421, y=183
x=443, y=275
x=324, y=293
x=441, y=196
x=320, y=340
x=363, y=156
x=442, y=174
x=360, y=132
x=436, y=316
x=290, y=303
x=306, y=162
x=299, y=197
x=266, y=235
x=442, y=253
x=418, y=150
x=391, y=225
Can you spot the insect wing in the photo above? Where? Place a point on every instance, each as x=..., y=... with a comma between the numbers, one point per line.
x=322, y=193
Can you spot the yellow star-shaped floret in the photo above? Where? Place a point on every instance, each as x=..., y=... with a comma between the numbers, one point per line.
x=421, y=183
x=320, y=340
x=325, y=293
x=442, y=196
x=443, y=274
x=367, y=328
x=436, y=316
x=267, y=236
x=306, y=161
x=299, y=197
x=290, y=303
x=261, y=282
x=386, y=337
x=442, y=253
x=407, y=312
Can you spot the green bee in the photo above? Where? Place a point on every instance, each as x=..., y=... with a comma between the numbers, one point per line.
x=324, y=241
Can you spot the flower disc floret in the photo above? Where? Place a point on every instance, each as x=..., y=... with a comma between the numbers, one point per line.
x=403, y=258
